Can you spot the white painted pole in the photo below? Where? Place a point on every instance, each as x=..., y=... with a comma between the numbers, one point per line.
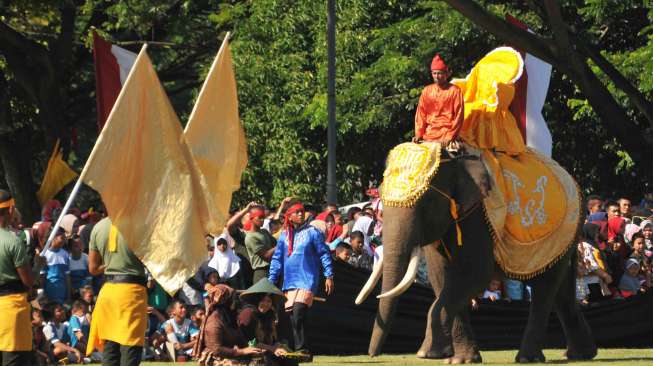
x=66, y=207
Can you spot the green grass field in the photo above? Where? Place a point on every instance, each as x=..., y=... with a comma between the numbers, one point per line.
x=605, y=357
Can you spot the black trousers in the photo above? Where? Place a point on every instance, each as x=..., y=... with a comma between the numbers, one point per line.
x=298, y=321
x=18, y=358
x=115, y=354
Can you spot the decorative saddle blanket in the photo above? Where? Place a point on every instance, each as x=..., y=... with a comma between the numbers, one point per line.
x=533, y=207
x=409, y=170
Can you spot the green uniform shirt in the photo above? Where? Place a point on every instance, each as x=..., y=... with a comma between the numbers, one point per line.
x=256, y=241
x=13, y=254
x=122, y=261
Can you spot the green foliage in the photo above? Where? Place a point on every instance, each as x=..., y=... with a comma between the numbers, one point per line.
x=383, y=53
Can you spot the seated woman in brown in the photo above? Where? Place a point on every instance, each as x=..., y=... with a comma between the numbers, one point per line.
x=258, y=321
x=221, y=342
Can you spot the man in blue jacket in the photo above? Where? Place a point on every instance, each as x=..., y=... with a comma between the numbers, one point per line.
x=299, y=254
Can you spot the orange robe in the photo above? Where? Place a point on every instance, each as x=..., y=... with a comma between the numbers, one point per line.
x=440, y=113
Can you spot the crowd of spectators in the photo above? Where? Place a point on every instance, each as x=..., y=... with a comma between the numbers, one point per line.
x=239, y=257
x=614, y=254
x=614, y=261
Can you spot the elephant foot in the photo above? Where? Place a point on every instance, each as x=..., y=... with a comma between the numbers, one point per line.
x=580, y=355
x=434, y=354
x=428, y=350
x=467, y=358
x=535, y=357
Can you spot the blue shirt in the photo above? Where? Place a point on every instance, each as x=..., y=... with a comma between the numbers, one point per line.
x=75, y=324
x=58, y=265
x=183, y=332
x=79, y=275
x=301, y=270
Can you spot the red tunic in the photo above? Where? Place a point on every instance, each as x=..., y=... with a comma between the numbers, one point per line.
x=440, y=113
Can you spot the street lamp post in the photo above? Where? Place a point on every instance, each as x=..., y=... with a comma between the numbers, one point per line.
x=332, y=187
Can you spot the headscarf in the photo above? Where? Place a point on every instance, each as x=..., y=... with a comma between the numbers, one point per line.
x=644, y=224
x=629, y=231
x=228, y=263
x=48, y=209
x=615, y=227
x=335, y=231
x=218, y=296
x=363, y=225
x=68, y=224
x=287, y=225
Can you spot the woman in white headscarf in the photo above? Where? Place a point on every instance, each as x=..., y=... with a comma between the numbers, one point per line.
x=226, y=262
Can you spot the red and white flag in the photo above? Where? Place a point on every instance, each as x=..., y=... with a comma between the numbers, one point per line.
x=112, y=65
x=530, y=94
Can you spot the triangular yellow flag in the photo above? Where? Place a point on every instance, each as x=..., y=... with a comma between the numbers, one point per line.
x=56, y=176
x=148, y=180
x=215, y=135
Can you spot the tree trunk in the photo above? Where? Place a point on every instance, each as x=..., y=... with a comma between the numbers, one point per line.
x=16, y=156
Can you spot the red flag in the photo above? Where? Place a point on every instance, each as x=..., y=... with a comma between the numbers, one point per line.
x=530, y=94
x=112, y=65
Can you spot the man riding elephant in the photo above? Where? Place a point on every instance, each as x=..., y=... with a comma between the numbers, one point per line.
x=440, y=110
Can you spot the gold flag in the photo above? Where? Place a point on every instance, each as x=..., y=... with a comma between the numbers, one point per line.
x=215, y=136
x=148, y=180
x=56, y=176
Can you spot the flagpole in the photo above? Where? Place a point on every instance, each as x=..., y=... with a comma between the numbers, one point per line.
x=78, y=184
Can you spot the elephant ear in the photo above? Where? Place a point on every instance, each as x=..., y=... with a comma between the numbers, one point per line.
x=472, y=182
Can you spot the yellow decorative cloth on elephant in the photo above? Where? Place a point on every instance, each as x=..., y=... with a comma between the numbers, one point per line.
x=488, y=91
x=533, y=208
x=409, y=170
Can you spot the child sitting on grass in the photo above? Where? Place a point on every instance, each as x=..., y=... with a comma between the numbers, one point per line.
x=56, y=333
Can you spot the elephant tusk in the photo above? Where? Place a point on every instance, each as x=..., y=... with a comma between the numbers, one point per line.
x=377, y=272
x=408, y=279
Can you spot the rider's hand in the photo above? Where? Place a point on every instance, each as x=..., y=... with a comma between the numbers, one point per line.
x=417, y=140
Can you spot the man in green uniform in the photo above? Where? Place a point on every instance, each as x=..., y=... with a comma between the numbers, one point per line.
x=120, y=314
x=16, y=278
x=260, y=244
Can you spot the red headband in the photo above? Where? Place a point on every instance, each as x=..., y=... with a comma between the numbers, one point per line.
x=294, y=208
x=256, y=213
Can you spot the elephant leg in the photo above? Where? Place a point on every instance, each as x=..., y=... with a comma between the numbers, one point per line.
x=545, y=289
x=462, y=338
x=436, y=264
x=580, y=342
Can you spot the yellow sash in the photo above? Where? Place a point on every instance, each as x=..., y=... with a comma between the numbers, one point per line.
x=15, y=326
x=120, y=315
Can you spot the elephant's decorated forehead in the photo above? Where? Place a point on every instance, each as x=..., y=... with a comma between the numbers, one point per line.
x=409, y=170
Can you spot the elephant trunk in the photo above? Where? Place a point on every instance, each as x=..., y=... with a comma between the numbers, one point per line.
x=396, y=255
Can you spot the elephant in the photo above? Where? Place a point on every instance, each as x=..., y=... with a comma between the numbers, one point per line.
x=459, y=272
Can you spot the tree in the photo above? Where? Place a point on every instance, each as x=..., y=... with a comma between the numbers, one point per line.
x=573, y=49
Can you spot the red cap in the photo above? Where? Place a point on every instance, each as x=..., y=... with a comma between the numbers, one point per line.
x=438, y=63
